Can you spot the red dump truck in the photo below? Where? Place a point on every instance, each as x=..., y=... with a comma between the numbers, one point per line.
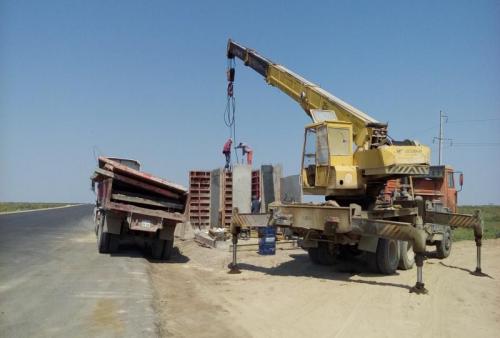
x=438, y=187
x=132, y=204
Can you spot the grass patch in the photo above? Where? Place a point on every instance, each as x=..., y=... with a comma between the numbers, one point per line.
x=491, y=218
x=19, y=206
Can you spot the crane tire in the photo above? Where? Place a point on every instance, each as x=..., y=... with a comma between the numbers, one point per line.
x=313, y=255
x=326, y=257
x=387, y=255
x=406, y=256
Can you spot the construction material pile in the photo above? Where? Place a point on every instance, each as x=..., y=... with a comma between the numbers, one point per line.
x=215, y=193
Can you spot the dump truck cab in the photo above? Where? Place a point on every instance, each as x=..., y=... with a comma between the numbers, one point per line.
x=439, y=187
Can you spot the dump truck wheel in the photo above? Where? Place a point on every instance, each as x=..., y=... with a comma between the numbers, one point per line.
x=114, y=242
x=157, y=247
x=387, y=255
x=313, y=255
x=443, y=247
x=167, y=249
x=326, y=257
x=102, y=238
x=406, y=255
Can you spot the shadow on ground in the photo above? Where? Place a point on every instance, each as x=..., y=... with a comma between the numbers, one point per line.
x=139, y=251
x=345, y=270
x=481, y=274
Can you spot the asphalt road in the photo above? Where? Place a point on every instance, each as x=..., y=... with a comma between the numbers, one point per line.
x=53, y=283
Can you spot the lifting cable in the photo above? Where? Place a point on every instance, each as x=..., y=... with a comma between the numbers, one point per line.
x=229, y=113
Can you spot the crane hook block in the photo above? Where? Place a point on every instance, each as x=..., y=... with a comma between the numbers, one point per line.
x=230, y=74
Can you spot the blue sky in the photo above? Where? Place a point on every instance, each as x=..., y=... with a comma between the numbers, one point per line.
x=146, y=80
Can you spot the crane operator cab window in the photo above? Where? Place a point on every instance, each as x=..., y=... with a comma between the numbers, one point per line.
x=338, y=141
x=309, y=156
x=325, y=145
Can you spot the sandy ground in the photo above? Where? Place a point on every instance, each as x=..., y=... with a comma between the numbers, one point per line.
x=287, y=296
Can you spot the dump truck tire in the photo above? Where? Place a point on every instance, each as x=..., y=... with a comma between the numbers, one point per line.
x=406, y=255
x=114, y=243
x=157, y=247
x=443, y=248
x=167, y=249
x=313, y=255
x=387, y=256
x=326, y=257
x=102, y=238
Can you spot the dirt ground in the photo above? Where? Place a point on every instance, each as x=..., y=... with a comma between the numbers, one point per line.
x=287, y=296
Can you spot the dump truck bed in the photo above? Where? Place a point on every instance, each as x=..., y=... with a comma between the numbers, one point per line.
x=134, y=203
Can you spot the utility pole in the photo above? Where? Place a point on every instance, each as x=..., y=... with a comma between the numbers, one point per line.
x=442, y=120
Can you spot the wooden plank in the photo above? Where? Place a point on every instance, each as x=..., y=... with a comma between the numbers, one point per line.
x=138, y=184
x=145, y=201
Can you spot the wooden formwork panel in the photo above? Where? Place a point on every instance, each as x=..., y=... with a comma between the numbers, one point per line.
x=227, y=199
x=199, y=190
x=256, y=183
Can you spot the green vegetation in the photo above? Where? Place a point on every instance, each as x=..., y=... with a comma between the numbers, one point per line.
x=491, y=218
x=18, y=206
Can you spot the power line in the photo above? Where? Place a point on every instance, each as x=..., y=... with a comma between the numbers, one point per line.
x=472, y=144
x=474, y=120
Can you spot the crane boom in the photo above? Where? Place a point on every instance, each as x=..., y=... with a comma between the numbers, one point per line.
x=309, y=95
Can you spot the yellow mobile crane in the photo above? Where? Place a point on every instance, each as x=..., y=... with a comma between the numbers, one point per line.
x=348, y=157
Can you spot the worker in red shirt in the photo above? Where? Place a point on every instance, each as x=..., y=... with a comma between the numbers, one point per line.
x=226, y=150
x=246, y=150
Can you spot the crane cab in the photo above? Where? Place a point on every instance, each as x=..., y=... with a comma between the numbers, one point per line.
x=327, y=160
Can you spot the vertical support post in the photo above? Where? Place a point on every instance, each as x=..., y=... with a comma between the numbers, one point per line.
x=419, y=287
x=440, y=137
x=478, y=240
x=478, y=236
x=233, y=266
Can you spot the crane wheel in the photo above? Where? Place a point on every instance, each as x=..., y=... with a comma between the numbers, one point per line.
x=387, y=255
x=325, y=255
x=313, y=255
x=406, y=255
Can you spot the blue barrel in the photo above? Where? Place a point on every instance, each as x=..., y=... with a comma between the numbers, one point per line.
x=267, y=241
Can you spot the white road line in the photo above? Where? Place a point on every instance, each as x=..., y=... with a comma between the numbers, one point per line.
x=31, y=210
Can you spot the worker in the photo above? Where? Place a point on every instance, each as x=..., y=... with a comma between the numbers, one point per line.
x=255, y=207
x=226, y=150
x=246, y=150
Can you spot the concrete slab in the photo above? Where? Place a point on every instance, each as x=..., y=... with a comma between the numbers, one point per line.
x=215, y=197
x=242, y=187
x=184, y=231
x=291, y=190
x=204, y=239
x=267, y=184
x=277, y=175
